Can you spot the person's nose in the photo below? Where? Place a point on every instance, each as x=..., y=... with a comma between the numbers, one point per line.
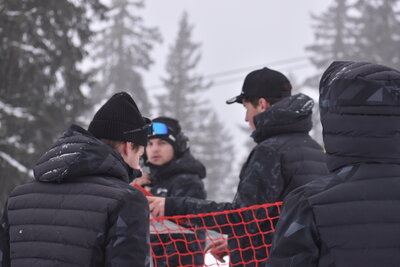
x=156, y=147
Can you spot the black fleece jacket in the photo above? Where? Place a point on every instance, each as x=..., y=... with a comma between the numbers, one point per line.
x=181, y=177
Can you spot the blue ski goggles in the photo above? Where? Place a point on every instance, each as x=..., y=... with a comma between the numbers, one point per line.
x=155, y=128
x=159, y=128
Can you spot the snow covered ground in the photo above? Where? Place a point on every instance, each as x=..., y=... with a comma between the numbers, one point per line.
x=211, y=261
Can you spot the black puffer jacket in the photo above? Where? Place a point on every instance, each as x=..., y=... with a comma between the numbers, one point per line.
x=80, y=210
x=285, y=157
x=350, y=218
x=179, y=178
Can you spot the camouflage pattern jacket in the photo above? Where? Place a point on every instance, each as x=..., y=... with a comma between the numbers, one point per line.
x=182, y=177
x=285, y=157
x=79, y=210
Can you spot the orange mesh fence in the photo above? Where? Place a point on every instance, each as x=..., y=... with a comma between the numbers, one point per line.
x=247, y=233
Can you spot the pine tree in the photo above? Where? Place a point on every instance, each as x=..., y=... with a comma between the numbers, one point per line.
x=185, y=101
x=362, y=30
x=43, y=43
x=334, y=39
x=185, y=87
x=217, y=154
x=377, y=38
x=123, y=51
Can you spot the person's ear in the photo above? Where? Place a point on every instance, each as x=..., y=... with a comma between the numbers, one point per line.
x=126, y=147
x=263, y=104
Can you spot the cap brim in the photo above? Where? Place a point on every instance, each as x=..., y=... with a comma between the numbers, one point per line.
x=236, y=99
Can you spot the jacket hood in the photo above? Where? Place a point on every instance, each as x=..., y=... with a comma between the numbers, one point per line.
x=76, y=154
x=360, y=113
x=186, y=164
x=290, y=115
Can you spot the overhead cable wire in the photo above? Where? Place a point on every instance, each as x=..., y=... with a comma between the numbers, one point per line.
x=239, y=79
x=241, y=70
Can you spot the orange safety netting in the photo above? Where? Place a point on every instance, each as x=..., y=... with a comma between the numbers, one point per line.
x=181, y=240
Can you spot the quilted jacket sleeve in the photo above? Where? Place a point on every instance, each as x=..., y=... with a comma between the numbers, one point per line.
x=261, y=178
x=128, y=238
x=4, y=240
x=260, y=182
x=188, y=185
x=295, y=241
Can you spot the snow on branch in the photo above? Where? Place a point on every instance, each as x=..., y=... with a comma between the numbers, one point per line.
x=21, y=168
x=28, y=48
x=16, y=112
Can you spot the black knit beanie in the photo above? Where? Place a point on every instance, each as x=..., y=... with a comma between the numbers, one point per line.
x=119, y=119
x=173, y=130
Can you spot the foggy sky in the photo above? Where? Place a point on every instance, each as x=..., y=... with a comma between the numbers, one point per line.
x=236, y=35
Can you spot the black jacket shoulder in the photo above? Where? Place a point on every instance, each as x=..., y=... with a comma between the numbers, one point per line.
x=285, y=157
x=182, y=177
x=78, y=209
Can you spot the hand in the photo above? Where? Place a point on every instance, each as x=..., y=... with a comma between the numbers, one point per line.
x=218, y=248
x=157, y=206
x=144, y=180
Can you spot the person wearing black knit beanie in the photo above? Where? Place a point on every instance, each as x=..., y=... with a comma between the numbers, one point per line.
x=174, y=172
x=119, y=124
x=119, y=119
x=80, y=210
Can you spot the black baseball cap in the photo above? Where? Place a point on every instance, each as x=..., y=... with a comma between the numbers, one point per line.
x=263, y=83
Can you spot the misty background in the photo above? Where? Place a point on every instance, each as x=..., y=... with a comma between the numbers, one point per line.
x=60, y=60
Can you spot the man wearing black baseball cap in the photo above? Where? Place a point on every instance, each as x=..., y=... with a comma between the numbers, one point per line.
x=80, y=209
x=264, y=83
x=284, y=158
x=269, y=85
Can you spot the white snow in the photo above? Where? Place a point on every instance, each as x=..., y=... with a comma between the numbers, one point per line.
x=209, y=260
x=15, y=141
x=16, y=164
x=28, y=48
x=62, y=156
x=13, y=13
x=16, y=112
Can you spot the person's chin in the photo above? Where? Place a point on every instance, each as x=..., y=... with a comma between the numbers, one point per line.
x=156, y=161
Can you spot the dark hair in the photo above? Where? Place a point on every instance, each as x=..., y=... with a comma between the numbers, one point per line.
x=114, y=144
x=254, y=100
